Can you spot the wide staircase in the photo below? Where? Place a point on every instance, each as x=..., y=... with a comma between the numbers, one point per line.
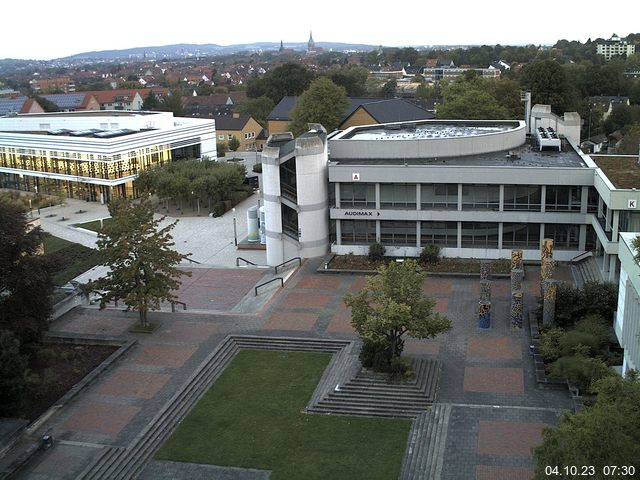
x=119, y=463
x=423, y=458
x=586, y=270
x=372, y=394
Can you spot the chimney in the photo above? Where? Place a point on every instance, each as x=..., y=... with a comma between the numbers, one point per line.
x=236, y=115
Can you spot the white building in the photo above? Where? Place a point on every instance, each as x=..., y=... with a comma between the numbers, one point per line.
x=95, y=155
x=614, y=46
x=627, y=321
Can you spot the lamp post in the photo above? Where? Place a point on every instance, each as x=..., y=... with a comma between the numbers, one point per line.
x=258, y=192
x=235, y=231
x=30, y=208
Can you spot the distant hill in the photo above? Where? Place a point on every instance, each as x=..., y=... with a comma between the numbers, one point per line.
x=189, y=50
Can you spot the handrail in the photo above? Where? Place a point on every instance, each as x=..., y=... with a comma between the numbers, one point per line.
x=173, y=305
x=244, y=260
x=581, y=256
x=193, y=261
x=268, y=282
x=290, y=260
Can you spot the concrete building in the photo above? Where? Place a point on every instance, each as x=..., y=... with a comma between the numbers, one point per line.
x=476, y=188
x=614, y=46
x=627, y=320
x=95, y=155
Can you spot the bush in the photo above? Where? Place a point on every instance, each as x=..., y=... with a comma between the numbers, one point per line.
x=377, y=356
x=571, y=340
x=257, y=168
x=400, y=369
x=580, y=370
x=550, y=344
x=221, y=149
x=430, y=254
x=376, y=252
x=600, y=298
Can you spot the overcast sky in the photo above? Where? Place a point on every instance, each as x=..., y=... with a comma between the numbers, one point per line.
x=46, y=30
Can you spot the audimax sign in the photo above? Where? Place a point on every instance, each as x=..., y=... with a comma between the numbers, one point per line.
x=361, y=213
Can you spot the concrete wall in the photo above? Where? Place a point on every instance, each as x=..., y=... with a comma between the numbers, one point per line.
x=627, y=319
x=568, y=125
x=272, y=207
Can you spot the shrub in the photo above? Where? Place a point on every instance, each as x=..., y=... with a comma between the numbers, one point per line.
x=580, y=370
x=430, y=254
x=257, y=168
x=13, y=371
x=377, y=356
x=550, y=344
x=376, y=252
x=221, y=149
x=400, y=369
x=600, y=298
x=569, y=342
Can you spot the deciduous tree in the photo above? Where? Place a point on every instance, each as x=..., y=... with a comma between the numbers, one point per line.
x=324, y=102
x=143, y=266
x=392, y=304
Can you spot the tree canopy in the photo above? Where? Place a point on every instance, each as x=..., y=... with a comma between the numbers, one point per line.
x=143, y=267
x=607, y=433
x=26, y=283
x=393, y=303
x=258, y=108
x=290, y=78
x=324, y=102
x=549, y=85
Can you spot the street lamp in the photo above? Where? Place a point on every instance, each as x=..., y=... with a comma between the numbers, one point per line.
x=235, y=231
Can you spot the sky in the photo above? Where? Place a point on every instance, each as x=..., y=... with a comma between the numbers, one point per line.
x=44, y=30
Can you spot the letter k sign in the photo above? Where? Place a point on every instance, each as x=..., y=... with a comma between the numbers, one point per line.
x=632, y=204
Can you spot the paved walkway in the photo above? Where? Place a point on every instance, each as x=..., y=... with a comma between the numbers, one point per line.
x=497, y=411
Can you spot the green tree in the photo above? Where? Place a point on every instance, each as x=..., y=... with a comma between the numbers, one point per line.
x=354, y=80
x=26, y=281
x=258, y=108
x=635, y=243
x=173, y=103
x=607, y=433
x=548, y=84
x=324, y=102
x=393, y=303
x=221, y=149
x=389, y=89
x=143, y=270
x=151, y=102
x=290, y=78
x=13, y=370
x=233, y=144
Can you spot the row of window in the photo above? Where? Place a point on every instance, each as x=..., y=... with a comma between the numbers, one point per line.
x=445, y=234
x=474, y=197
x=247, y=136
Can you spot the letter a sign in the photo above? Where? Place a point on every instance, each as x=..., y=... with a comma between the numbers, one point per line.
x=355, y=177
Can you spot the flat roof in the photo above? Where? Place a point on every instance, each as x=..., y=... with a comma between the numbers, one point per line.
x=441, y=129
x=527, y=155
x=622, y=171
x=91, y=113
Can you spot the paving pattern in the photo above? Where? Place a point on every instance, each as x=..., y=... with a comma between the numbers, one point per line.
x=494, y=412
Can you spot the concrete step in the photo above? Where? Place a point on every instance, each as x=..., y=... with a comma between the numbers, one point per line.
x=369, y=412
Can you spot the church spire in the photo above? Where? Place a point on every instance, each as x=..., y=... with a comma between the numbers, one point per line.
x=311, y=45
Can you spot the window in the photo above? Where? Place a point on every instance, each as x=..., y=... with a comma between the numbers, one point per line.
x=565, y=237
x=290, y=222
x=357, y=195
x=563, y=198
x=440, y=196
x=592, y=200
x=479, y=235
x=480, y=197
x=396, y=233
x=398, y=195
x=444, y=234
x=358, y=232
x=220, y=137
x=522, y=197
x=520, y=235
x=230, y=136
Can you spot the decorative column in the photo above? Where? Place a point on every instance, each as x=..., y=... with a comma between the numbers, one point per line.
x=549, y=302
x=484, y=305
x=546, y=269
x=517, y=308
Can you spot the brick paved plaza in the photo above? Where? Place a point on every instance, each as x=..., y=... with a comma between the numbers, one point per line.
x=497, y=411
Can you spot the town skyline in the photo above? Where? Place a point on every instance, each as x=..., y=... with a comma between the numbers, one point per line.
x=487, y=23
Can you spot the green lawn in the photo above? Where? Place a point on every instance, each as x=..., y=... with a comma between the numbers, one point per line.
x=252, y=417
x=71, y=259
x=94, y=225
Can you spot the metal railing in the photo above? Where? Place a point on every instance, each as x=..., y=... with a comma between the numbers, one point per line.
x=193, y=261
x=578, y=258
x=288, y=261
x=267, y=283
x=173, y=305
x=244, y=260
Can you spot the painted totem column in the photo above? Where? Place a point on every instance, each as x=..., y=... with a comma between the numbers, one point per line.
x=484, y=305
x=517, y=293
x=549, y=301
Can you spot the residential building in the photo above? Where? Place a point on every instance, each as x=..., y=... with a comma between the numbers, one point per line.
x=211, y=105
x=95, y=155
x=607, y=103
x=244, y=128
x=62, y=84
x=19, y=104
x=127, y=99
x=73, y=102
x=615, y=46
x=627, y=318
x=359, y=111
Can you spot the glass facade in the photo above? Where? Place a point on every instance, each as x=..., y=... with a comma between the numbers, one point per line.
x=398, y=195
x=560, y=198
x=397, y=232
x=521, y=235
x=444, y=234
x=522, y=197
x=358, y=232
x=362, y=195
x=439, y=196
x=288, y=182
x=565, y=237
x=479, y=235
x=289, y=221
x=480, y=197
